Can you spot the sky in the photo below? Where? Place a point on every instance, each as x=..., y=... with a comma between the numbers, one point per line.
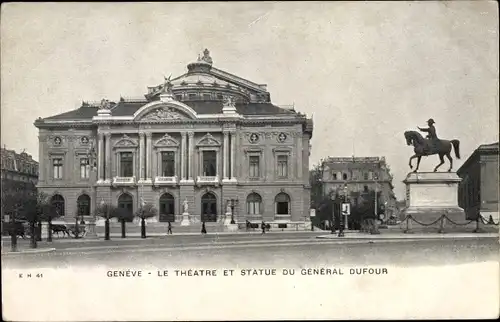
x=364, y=71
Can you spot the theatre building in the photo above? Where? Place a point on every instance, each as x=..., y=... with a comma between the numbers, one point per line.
x=194, y=142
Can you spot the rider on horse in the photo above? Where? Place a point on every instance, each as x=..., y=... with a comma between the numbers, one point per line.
x=431, y=136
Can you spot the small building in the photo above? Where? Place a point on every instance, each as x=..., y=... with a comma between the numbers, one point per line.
x=478, y=191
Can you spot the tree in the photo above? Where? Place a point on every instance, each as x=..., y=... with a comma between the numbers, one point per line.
x=318, y=200
x=147, y=210
x=123, y=215
x=106, y=211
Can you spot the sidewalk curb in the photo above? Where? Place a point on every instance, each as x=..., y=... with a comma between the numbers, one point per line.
x=30, y=251
x=411, y=236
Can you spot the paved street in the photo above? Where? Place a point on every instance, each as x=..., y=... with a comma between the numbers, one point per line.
x=250, y=249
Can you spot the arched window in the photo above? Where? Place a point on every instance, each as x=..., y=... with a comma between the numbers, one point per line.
x=282, y=201
x=253, y=204
x=208, y=207
x=125, y=201
x=83, y=205
x=167, y=208
x=344, y=176
x=57, y=202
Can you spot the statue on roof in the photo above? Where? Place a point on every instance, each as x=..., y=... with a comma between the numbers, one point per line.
x=206, y=57
x=228, y=101
x=167, y=86
x=105, y=105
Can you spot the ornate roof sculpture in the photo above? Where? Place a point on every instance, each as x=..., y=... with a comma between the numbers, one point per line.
x=163, y=113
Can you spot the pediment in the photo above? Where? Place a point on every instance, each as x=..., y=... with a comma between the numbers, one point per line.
x=166, y=140
x=208, y=140
x=163, y=113
x=126, y=141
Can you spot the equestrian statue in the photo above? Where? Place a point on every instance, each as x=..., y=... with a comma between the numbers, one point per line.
x=431, y=145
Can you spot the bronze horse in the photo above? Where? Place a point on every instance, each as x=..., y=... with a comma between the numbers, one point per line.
x=422, y=147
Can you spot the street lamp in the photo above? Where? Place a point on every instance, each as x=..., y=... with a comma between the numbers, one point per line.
x=332, y=224
x=106, y=222
x=91, y=162
x=232, y=203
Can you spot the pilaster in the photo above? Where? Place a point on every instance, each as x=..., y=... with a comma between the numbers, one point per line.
x=225, y=160
x=142, y=168
x=100, y=158
x=233, y=156
x=108, y=177
x=190, y=156
x=183, y=156
x=149, y=162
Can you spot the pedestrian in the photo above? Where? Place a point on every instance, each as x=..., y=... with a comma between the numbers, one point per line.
x=263, y=227
x=203, y=229
x=169, y=231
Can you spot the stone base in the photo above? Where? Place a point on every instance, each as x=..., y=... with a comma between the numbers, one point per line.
x=231, y=227
x=227, y=219
x=429, y=196
x=185, y=219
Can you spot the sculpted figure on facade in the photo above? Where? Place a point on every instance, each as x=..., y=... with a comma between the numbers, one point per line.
x=206, y=57
x=163, y=113
x=105, y=105
x=185, y=206
x=167, y=86
x=228, y=101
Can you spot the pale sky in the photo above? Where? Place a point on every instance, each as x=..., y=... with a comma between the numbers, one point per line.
x=366, y=72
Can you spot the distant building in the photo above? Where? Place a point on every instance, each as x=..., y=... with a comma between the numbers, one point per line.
x=360, y=175
x=18, y=167
x=18, y=170
x=478, y=191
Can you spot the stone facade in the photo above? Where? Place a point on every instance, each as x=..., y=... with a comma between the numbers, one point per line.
x=360, y=174
x=205, y=120
x=18, y=171
x=478, y=192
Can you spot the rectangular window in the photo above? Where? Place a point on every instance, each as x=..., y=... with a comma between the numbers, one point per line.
x=209, y=163
x=334, y=175
x=58, y=168
x=126, y=164
x=254, y=166
x=168, y=164
x=84, y=168
x=254, y=207
x=178, y=97
x=365, y=176
x=207, y=97
x=282, y=166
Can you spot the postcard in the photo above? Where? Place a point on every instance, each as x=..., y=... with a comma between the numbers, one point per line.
x=207, y=161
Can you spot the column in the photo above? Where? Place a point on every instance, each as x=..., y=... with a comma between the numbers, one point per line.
x=233, y=154
x=142, y=168
x=226, y=155
x=183, y=156
x=148, y=156
x=108, y=157
x=190, y=156
x=100, y=157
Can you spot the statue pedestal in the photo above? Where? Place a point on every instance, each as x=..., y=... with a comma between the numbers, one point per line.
x=430, y=195
x=227, y=219
x=185, y=219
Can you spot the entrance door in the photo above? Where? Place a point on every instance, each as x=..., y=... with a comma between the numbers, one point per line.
x=125, y=202
x=209, y=207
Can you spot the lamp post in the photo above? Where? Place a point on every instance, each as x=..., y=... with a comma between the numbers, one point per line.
x=106, y=222
x=233, y=202
x=143, y=222
x=332, y=224
x=91, y=162
x=341, y=217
